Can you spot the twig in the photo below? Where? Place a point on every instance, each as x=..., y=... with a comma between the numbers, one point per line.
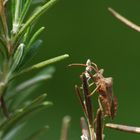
x=65, y=126
x=99, y=125
x=84, y=127
x=88, y=105
x=87, y=99
x=125, y=128
x=4, y=107
x=124, y=20
x=81, y=100
x=5, y=25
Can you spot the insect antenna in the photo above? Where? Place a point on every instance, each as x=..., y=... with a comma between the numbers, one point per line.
x=94, y=67
x=77, y=64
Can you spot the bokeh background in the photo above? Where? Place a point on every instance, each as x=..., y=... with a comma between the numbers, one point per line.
x=85, y=29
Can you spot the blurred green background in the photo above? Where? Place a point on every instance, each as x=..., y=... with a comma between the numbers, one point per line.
x=85, y=29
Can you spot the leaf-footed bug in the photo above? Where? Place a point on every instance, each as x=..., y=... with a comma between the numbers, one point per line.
x=104, y=86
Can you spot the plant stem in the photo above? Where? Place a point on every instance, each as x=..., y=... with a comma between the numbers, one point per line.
x=125, y=128
x=5, y=26
x=65, y=126
x=4, y=107
x=91, y=132
x=124, y=20
x=99, y=126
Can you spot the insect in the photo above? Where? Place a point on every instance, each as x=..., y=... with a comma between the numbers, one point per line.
x=103, y=86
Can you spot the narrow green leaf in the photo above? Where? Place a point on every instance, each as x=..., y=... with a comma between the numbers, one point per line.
x=34, y=17
x=17, y=57
x=26, y=35
x=21, y=94
x=42, y=64
x=14, y=131
x=15, y=119
x=38, y=133
x=45, y=63
x=17, y=12
x=30, y=54
x=38, y=100
x=34, y=37
x=38, y=1
x=31, y=82
x=13, y=4
x=21, y=98
x=32, y=50
x=25, y=10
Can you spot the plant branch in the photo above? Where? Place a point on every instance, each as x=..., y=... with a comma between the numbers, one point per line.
x=65, y=126
x=124, y=20
x=125, y=128
x=4, y=24
x=99, y=127
x=4, y=107
x=85, y=130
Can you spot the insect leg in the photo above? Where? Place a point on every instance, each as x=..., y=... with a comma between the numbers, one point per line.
x=90, y=85
x=100, y=104
x=95, y=66
x=93, y=91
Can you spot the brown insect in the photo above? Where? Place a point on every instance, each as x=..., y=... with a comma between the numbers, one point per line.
x=104, y=86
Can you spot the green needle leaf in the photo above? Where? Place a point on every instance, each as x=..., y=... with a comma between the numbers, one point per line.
x=42, y=64
x=38, y=133
x=34, y=37
x=35, y=106
x=17, y=57
x=31, y=82
x=19, y=94
x=34, y=17
x=25, y=10
x=17, y=12
x=31, y=52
